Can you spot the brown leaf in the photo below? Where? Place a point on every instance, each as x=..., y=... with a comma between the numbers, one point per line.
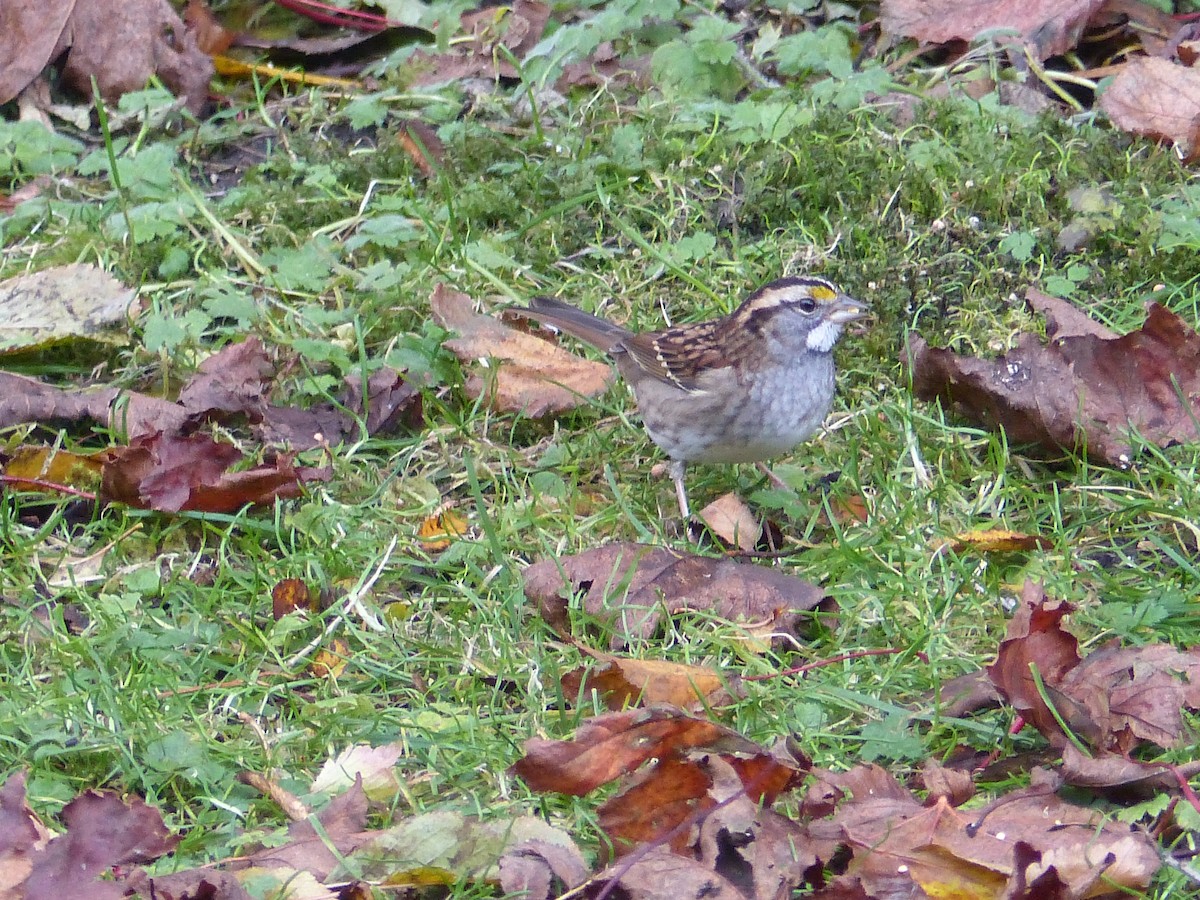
x=1035, y=638
x=1065, y=319
x=1050, y=27
x=422, y=144
x=648, y=682
x=21, y=834
x=231, y=382
x=33, y=188
x=291, y=595
x=1157, y=98
x=996, y=540
x=1120, y=777
x=696, y=765
x=28, y=400
x=1115, y=698
x=123, y=43
x=516, y=29
x=760, y=851
x=730, y=519
x=1080, y=391
x=29, y=33
x=211, y=36
x=171, y=473
x=660, y=874
x=1136, y=694
x=534, y=376
x=532, y=866
x=899, y=845
x=612, y=745
x=629, y=586
x=102, y=831
x=342, y=822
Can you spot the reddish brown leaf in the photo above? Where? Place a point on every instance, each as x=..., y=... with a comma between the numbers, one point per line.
x=1157, y=98
x=211, y=36
x=658, y=800
x=29, y=33
x=535, y=376
x=609, y=746
x=630, y=585
x=422, y=144
x=1114, y=699
x=102, y=831
x=123, y=43
x=1136, y=694
x=660, y=874
x=231, y=382
x=28, y=400
x=1079, y=391
x=306, y=850
x=291, y=595
x=1050, y=27
x=901, y=846
x=1121, y=777
x=1036, y=638
x=32, y=189
x=171, y=473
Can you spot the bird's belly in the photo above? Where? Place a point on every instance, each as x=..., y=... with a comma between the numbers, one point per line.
x=768, y=418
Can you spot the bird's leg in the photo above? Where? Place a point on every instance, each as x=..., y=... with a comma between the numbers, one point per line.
x=675, y=469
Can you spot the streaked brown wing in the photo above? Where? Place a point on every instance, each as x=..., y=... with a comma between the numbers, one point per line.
x=678, y=356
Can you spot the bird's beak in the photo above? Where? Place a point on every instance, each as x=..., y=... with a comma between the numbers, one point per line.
x=846, y=309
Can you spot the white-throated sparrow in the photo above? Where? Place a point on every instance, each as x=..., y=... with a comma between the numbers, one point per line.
x=742, y=388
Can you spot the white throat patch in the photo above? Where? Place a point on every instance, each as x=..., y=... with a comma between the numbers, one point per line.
x=824, y=336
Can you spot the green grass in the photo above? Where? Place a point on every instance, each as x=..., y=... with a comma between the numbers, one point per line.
x=177, y=680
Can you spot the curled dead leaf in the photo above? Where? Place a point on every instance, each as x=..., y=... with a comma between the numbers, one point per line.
x=629, y=586
x=1079, y=391
x=534, y=376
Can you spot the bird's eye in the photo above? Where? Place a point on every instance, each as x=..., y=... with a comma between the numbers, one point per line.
x=807, y=305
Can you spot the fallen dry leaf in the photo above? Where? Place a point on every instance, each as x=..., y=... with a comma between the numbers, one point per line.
x=495, y=33
x=540, y=870
x=996, y=540
x=171, y=473
x=1157, y=98
x=438, y=531
x=230, y=385
x=102, y=831
x=291, y=595
x=695, y=765
x=1049, y=27
x=534, y=376
x=660, y=874
x=1035, y=641
x=900, y=846
x=1080, y=391
x=629, y=586
x=623, y=681
x=1115, y=698
x=29, y=33
x=78, y=301
x=730, y=519
x=123, y=43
